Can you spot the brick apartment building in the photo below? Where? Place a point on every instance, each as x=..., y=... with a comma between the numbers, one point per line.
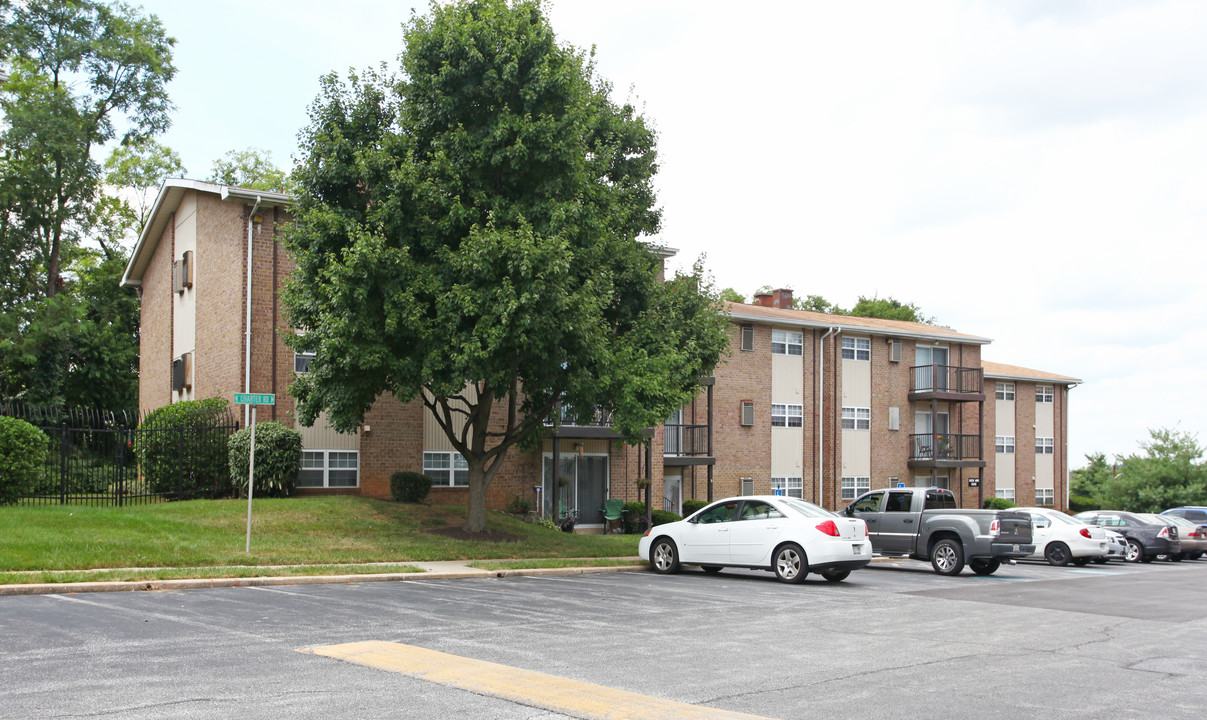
x=818, y=406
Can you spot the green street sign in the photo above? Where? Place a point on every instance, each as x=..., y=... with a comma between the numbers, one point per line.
x=255, y=399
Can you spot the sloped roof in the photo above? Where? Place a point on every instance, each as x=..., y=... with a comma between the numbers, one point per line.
x=874, y=326
x=1014, y=372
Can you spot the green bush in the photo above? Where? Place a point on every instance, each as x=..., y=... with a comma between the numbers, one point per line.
x=23, y=450
x=998, y=504
x=278, y=459
x=182, y=446
x=1082, y=503
x=519, y=506
x=690, y=506
x=410, y=487
x=661, y=517
x=634, y=516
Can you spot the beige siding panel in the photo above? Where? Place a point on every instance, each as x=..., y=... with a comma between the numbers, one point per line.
x=1005, y=417
x=434, y=439
x=184, y=316
x=1045, y=420
x=321, y=436
x=787, y=452
x=856, y=383
x=1045, y=471
x=856, y=453
x=1003, y=467
x=787, y=379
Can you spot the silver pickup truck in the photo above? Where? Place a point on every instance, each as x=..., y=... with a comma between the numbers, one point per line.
x=925, y=524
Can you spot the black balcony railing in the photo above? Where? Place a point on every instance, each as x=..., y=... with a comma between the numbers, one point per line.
x=944, y=446
x=946, y=378
x=589, y=417
x=685, y=440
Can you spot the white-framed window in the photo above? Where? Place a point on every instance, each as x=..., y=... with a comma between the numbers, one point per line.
x=853, y=487
x=787, y=415
x=939, y=481
x=329, y=469
x=790, y=486
x=302, y=361
x=747, y=338
x=1005, y=493
x=446, y=469
x=1004, y=391
x=1044, y=393
x=1044, y=446
x=1045, y=496
x=1004, y=445
x=854, y=348
x=856, y=418
x=787, y=342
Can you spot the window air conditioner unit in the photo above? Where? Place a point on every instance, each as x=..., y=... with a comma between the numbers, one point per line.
x=182, y=372
x=182, y=272
x=894, y=350
x=747, y=413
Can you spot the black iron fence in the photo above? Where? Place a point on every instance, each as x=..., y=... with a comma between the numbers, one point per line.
x=100, y=457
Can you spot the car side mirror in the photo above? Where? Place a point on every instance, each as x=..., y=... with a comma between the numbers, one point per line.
x=849, y=510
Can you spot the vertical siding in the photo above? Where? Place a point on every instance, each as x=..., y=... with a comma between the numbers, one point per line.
x=788, y=443
x=1045, y=426
x=856, y=392
x=184, y=316
x=321, y=436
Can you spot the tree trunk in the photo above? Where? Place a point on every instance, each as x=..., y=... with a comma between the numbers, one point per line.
x=475, y=515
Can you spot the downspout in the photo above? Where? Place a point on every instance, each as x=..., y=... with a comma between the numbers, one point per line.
x=251, y=217
x=821, y=410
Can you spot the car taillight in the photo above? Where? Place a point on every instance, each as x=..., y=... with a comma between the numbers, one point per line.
x=995, y=527
x=1085, y=532
x=829, y=528
x=1164, y=532
x=865, y=531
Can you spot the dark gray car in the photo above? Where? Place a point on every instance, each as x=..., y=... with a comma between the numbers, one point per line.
x=1146, y=539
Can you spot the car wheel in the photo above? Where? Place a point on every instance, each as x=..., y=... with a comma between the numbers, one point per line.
x=790, y=564
x=981, y=566
x=1135, y=553
x=665, y=556
x=835, y=575
x=711, y=569
x=947, y=557
x=1080, y=562
x=1196, y=556
x=1176, y=557
x=1057, y=554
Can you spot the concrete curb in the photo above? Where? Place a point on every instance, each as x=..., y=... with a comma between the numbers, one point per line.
x=136, y=585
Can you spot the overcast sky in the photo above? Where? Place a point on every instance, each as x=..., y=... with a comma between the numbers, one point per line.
x=1028, y=171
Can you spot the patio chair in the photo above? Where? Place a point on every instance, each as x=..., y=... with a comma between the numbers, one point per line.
x=613, y=512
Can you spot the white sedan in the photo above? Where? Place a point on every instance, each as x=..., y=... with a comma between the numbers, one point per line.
x=1061, y=539
x=784, y=535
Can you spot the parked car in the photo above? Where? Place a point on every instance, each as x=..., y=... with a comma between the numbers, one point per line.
x=926, y=524
x=1195, y=513
x=1116, y=547
x=1145, y=539
x=784, y=535
x=1189, y=535
x=1061, y=540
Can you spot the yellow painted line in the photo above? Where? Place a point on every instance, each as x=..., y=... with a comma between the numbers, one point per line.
x=527, y=687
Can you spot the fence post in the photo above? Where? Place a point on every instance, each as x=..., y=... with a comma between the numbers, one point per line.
x=64, y=449
x=120, y=492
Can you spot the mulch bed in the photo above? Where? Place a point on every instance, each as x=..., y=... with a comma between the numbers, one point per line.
x=460, y=533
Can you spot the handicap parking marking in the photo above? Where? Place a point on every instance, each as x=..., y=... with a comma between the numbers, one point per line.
x=574, y=698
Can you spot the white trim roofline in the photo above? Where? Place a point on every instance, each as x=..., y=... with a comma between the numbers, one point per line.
x=166, y=202
x=907, y=329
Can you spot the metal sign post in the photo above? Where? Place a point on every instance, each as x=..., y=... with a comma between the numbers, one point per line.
x=253, y=399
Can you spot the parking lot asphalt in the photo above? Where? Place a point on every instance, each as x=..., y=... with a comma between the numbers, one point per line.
x=893, y=641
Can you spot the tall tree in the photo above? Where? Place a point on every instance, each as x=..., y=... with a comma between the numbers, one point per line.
x=468, y=235
x=251, y=168
x=1168, y=474
x=80, y=69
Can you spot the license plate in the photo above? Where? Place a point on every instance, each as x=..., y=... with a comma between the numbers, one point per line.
x=858, y=549
x=1016, y=548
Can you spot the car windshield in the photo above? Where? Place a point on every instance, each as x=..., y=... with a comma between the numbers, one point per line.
x=1061, y=518
x=805, y=508
x=1179, y=521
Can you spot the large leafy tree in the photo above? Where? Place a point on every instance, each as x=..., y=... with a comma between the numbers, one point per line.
x=1169, y=473
x=251, y=168
x=467, y=234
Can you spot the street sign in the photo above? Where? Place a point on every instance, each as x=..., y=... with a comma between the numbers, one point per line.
x=901, y=485
x=255, y=399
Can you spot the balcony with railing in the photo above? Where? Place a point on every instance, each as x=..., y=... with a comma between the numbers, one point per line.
x=939, y=450
x=586, y=423
x=947, y=382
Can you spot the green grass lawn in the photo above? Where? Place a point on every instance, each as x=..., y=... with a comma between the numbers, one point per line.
x=197, y=538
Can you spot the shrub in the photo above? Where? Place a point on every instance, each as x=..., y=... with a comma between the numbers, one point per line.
x=23, y=450
x=661, y=517
x=519, y=506
x=182, y=446
x=998, y=504
x=690, y=506
x=410, y=487
x=634, y=516
x=1082, y=503
x=278, y=459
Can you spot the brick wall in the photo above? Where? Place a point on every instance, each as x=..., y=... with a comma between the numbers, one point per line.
x=1024, y=443
x=220, y=280
x=743, y=451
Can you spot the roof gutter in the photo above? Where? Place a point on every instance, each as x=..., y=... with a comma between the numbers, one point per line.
x=821, y=410
x=895, y=332
x=251, y=219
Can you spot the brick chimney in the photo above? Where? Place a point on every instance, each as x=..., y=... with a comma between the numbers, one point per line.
x=782, y=298
x=763, y=300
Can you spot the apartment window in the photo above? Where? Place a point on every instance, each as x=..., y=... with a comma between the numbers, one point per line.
x=1043, y=393
x=856, y=418
x=790, y=486
x=787, y=342
x=787, y=415
x=302, y=361
x=329, y=469
x=853, y=487
x=1004, y=445
x=1005, y=493
x=747, y=338
x=854, y=348
x=1005, y=391
x=446, y=469
x=1044, y=446
x=1045, y=496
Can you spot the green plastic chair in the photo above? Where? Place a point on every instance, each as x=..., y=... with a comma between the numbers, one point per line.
x=613, y=512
